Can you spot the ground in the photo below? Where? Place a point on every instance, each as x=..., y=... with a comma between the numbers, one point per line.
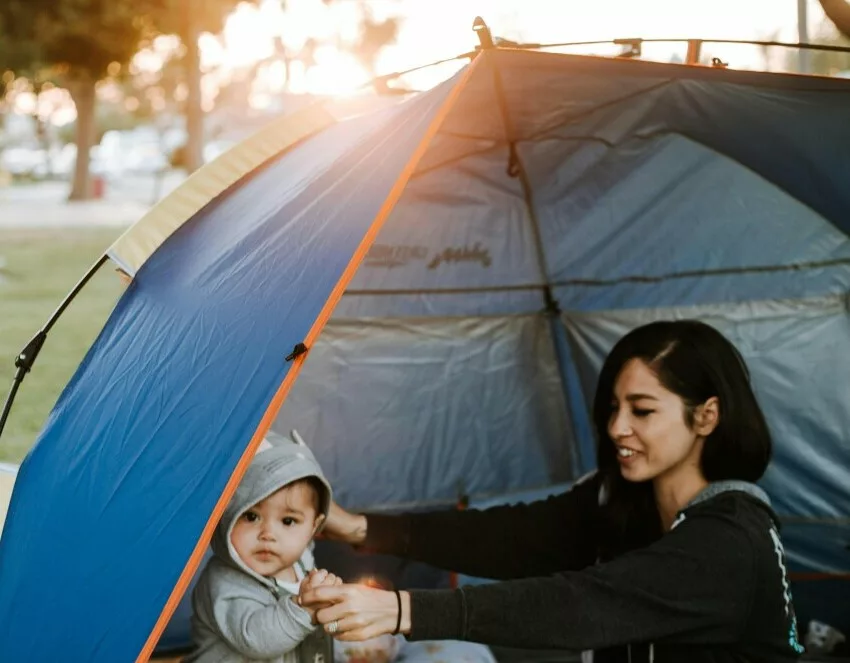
x=38, y=267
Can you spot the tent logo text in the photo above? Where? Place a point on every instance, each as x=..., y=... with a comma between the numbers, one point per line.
x=398, y=255
x=474, y=253
x=390, y=255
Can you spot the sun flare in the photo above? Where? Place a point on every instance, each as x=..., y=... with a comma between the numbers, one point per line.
x=249, y=37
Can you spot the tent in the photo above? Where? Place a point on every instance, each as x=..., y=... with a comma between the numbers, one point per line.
x=446, y=275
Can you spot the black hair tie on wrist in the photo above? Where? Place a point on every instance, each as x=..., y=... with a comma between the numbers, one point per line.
x=398, y=619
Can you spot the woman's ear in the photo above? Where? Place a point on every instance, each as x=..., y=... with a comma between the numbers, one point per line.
x=706, y=417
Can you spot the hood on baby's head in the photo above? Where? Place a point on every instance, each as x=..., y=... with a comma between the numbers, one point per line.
x=279, y=461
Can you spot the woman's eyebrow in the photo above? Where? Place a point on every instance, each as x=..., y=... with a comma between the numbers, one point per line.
x=640, y=397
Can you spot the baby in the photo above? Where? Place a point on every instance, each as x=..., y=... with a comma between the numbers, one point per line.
x=244, y=604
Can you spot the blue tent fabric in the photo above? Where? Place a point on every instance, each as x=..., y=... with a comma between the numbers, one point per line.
x=461, y=359
x=749, y=117
x=111, y=501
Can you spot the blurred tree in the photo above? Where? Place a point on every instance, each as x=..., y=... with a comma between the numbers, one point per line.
x=823, y=63
x=829, y=63
x=374, y=36
x=17, y=56
x=75, y=43
x=838, y=11
x=153, y=95
x=189, y=19
x=7, y=74
x=77, y=40
x=34, y=79
x=109, y=118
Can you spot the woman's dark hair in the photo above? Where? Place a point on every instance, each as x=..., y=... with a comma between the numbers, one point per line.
x=696, y=362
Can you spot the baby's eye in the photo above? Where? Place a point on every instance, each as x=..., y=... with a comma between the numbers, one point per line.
x=289, y=522
x=250, y=516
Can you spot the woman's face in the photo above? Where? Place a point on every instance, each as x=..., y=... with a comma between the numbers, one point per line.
x=648, y=427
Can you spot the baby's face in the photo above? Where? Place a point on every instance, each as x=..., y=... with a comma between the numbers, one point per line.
x=273, y=534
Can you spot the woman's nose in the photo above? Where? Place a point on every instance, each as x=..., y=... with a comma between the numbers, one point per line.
x=618, y=426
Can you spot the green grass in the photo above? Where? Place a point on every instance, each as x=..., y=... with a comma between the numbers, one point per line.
x=41, y=268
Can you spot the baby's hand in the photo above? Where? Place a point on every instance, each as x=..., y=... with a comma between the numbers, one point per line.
x=316, y=578
x=319, y=578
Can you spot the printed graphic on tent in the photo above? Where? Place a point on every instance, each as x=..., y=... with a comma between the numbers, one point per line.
x=512, y=223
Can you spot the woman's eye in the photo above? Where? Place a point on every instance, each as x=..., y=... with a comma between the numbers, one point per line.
x=642, y=413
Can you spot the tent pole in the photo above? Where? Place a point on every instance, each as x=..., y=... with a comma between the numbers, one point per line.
x=573, y=396
x=26, y=357
x=381, y=83
x=582, y=450
x=803, y=36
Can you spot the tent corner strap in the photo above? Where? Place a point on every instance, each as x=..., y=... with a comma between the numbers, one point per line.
x=297, y=351
x=26, y=357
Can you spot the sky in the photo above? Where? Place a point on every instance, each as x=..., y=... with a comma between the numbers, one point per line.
x=435, y=29
x=585, y=20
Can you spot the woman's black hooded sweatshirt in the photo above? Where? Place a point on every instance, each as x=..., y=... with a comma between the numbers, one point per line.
x=713, y=589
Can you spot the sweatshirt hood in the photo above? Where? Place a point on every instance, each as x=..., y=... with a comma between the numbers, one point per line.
x=754, y=492
x=719, y=487
x=280, y=461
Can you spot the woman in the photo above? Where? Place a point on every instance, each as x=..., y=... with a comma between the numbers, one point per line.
x=668, y=553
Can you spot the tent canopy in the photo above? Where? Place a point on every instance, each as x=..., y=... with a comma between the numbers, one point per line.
x=471, y=254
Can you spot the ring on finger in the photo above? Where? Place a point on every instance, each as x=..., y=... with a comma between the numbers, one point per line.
x=333, y=627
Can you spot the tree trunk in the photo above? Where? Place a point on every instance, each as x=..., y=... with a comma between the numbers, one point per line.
x=83, y=93
x=287, y=71
x=194, y=110
x=838, y=11
x=42, y=129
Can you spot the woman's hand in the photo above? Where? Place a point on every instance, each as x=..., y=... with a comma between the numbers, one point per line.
x=342, y=525
x=357, y=612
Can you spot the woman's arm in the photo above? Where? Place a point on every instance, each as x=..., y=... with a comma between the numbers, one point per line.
x=693, y=586
x=517, y=541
